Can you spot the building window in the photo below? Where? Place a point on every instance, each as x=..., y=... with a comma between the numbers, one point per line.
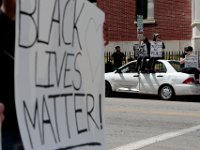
x=141, y=8
x=145, y=8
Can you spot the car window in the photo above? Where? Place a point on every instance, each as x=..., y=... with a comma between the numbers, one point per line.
x=130, y=68
x=176, y=65
x=160, y=67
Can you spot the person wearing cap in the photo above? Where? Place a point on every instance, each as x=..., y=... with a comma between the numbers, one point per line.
x=157, y=37
x=118, y=57
x=188, y=51
x=151, y=64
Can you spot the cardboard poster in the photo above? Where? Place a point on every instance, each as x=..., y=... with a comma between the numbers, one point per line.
x=191, y=61
x=140, y=29
x=156, y=49
x=140, y=50
x=59, y=74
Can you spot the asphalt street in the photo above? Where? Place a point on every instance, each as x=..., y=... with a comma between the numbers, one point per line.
x=147, y=123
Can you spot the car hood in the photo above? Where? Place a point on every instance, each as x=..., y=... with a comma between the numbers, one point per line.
x=108, y=75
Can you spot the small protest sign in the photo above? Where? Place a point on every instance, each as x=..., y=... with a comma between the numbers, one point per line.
x=59, y=74
x=156, y=49
x=140, y=30
x=140, y=50
x=191, y=61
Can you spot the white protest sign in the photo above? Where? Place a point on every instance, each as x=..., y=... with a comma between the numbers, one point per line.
x=140, y=50
x=156, y=49
x=191, y=61
x=59, y=74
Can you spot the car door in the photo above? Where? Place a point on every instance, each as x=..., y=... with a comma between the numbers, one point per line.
x=127, y=79
x=150, y=82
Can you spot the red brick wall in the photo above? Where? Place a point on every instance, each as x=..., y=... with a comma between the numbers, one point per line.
x=173, y=19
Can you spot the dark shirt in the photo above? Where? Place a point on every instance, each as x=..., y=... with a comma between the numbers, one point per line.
x=148, y=48
x=118, y=58
x=7, y=43
x=163, y=53
x=163, y=45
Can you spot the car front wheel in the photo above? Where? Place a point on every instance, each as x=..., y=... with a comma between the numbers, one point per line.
x=166, y=92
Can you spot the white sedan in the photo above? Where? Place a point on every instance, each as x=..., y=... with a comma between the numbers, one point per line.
x=166, y=82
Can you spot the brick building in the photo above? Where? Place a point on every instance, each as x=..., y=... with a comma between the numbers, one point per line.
x=177, y=21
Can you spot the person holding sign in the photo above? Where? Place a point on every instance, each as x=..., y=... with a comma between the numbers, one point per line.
x=156, y=52
x=145, y=45
x=189, y=63
x=10, y=132
x=157, y=38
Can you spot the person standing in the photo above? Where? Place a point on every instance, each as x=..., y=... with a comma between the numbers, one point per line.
x=118, y=57
x=157, y=38
x=10, y=131
x=152, y=61
x=141, y=60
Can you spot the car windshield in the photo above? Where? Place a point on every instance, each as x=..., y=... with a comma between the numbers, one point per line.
x=176, y=65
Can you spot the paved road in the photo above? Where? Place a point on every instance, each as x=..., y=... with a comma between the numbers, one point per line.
x=146, y=123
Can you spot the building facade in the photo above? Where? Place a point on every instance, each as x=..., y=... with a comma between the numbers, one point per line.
x=177, y=21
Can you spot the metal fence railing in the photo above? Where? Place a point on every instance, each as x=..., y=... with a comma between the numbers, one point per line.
x=168, y=55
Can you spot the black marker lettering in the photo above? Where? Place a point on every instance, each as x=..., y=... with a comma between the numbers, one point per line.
x=90, y=97
x=22, y=32
x=29, y=120
x=53, y=20
x=67, y=70
x=55, y=116
x=79, y=74
x=78, y=111
x=100, y=111
x=46, y=121
x=42, y=85
x=69, y=25
x=56, y=99
x=58, y=75
x=75, y=24
x=67, y=113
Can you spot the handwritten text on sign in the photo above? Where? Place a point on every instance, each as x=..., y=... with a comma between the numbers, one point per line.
x=59, y=74
x=191, y=61
x=156, y=49
x=140, y=50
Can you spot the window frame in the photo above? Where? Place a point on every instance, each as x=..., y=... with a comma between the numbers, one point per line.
x=150, y=12
x=160, y=67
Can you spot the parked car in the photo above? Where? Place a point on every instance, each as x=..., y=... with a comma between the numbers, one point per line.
x=167, y=81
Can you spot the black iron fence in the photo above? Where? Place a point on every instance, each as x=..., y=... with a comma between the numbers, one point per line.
x=129, y=56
